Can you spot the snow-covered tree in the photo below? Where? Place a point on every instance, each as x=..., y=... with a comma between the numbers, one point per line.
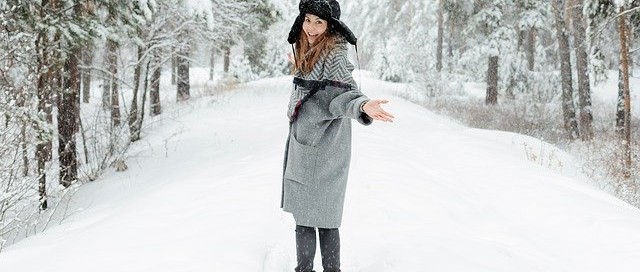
x=495, y=38
x=582, y=66
x=568, y=106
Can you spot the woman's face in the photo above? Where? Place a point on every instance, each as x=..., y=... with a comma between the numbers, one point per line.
x=314, y=27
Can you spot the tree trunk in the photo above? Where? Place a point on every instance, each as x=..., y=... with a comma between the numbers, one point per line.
x=110, y=61
x=43, y=147
x=568, y=107
x=134, y=134
x=42, y=176
x=183, y=76
x=624, y=60
x=620, y=114
x=212, y=63
x=154, y=94
x=630, y=38
x=106, y=92
x=452, y=27
x=531, y=48
x=227, y=54
x=582, y=65
x=20, y=97
x=492, y=81
x=112, y=69
x=144, y=98
x=56, y=72
x=87, y=61
x=440, y=35
x=67, y=120
x=23, y=146
x=521, y=36
x=174, y=68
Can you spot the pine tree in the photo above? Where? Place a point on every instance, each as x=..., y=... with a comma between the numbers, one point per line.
x=568, y=107
x=182, y=76
x=624, y=63
x=255, y=34
x=582, y=66
x=440, y=40
x=495, y=38
x=69, y=103
x=154, y=94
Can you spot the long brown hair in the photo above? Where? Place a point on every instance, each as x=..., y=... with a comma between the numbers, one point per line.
x=307, y=55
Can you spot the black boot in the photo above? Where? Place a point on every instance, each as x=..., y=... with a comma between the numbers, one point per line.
x=330, y=249
x=305, y=248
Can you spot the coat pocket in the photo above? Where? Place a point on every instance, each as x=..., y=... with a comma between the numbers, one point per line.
x=301, y=162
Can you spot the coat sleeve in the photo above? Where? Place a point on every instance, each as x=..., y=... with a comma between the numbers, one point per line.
x=347, y=103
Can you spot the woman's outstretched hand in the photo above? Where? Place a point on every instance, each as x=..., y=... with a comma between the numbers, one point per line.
x=291, y=58
x=373, y=109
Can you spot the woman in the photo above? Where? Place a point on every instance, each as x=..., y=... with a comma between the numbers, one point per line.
x=318, y=149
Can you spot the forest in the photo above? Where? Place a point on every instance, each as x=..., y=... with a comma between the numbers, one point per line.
x=81, y=80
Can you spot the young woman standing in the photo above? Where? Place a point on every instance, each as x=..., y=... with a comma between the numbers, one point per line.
x=318, y=150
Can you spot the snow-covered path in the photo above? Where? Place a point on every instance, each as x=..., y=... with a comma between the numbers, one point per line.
x=425, y=194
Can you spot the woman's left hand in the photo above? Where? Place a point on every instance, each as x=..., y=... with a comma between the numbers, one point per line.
x=373, y=109
x=291, y=58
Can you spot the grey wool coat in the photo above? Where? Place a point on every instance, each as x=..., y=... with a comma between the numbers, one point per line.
x=318, y=149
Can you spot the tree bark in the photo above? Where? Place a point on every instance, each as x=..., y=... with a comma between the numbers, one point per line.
x=492, y=81
x=134, y=134
x=620, y=113
x=154, y=94
x=43, y=154
x=112, y=82
x=42, y=176
x=87, y=61
x=67, y=120
x=20, y=97
x=531, y=48
x=568, y=107
x=440, y=35
x=144, y=98
x=23, y=147
x=582, y=66
x=227, y=54
x=624, y=60
x=110, y=59
x=452, y=28
x=106, y=91
x=212, y=63
x=174, y=68
x=183, y=76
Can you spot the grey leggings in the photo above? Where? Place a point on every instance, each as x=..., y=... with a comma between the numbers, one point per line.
x=306, y=248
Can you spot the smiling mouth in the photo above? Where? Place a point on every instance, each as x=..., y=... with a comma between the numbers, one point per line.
x=310, y=35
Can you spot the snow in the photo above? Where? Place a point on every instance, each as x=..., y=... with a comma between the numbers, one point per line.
x=201, y=7
x=202, y=193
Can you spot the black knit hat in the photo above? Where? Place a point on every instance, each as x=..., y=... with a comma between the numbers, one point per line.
x=328, y=10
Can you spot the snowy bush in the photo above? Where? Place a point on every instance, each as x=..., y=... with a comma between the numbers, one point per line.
x=241, y=69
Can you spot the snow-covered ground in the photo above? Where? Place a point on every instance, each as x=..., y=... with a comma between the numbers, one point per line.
x=202, y=193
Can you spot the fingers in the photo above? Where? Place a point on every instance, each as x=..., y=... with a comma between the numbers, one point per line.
x=383, y=116
x=290, y=57
x=378, y=102
x=387, y=114
x=379, y=114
